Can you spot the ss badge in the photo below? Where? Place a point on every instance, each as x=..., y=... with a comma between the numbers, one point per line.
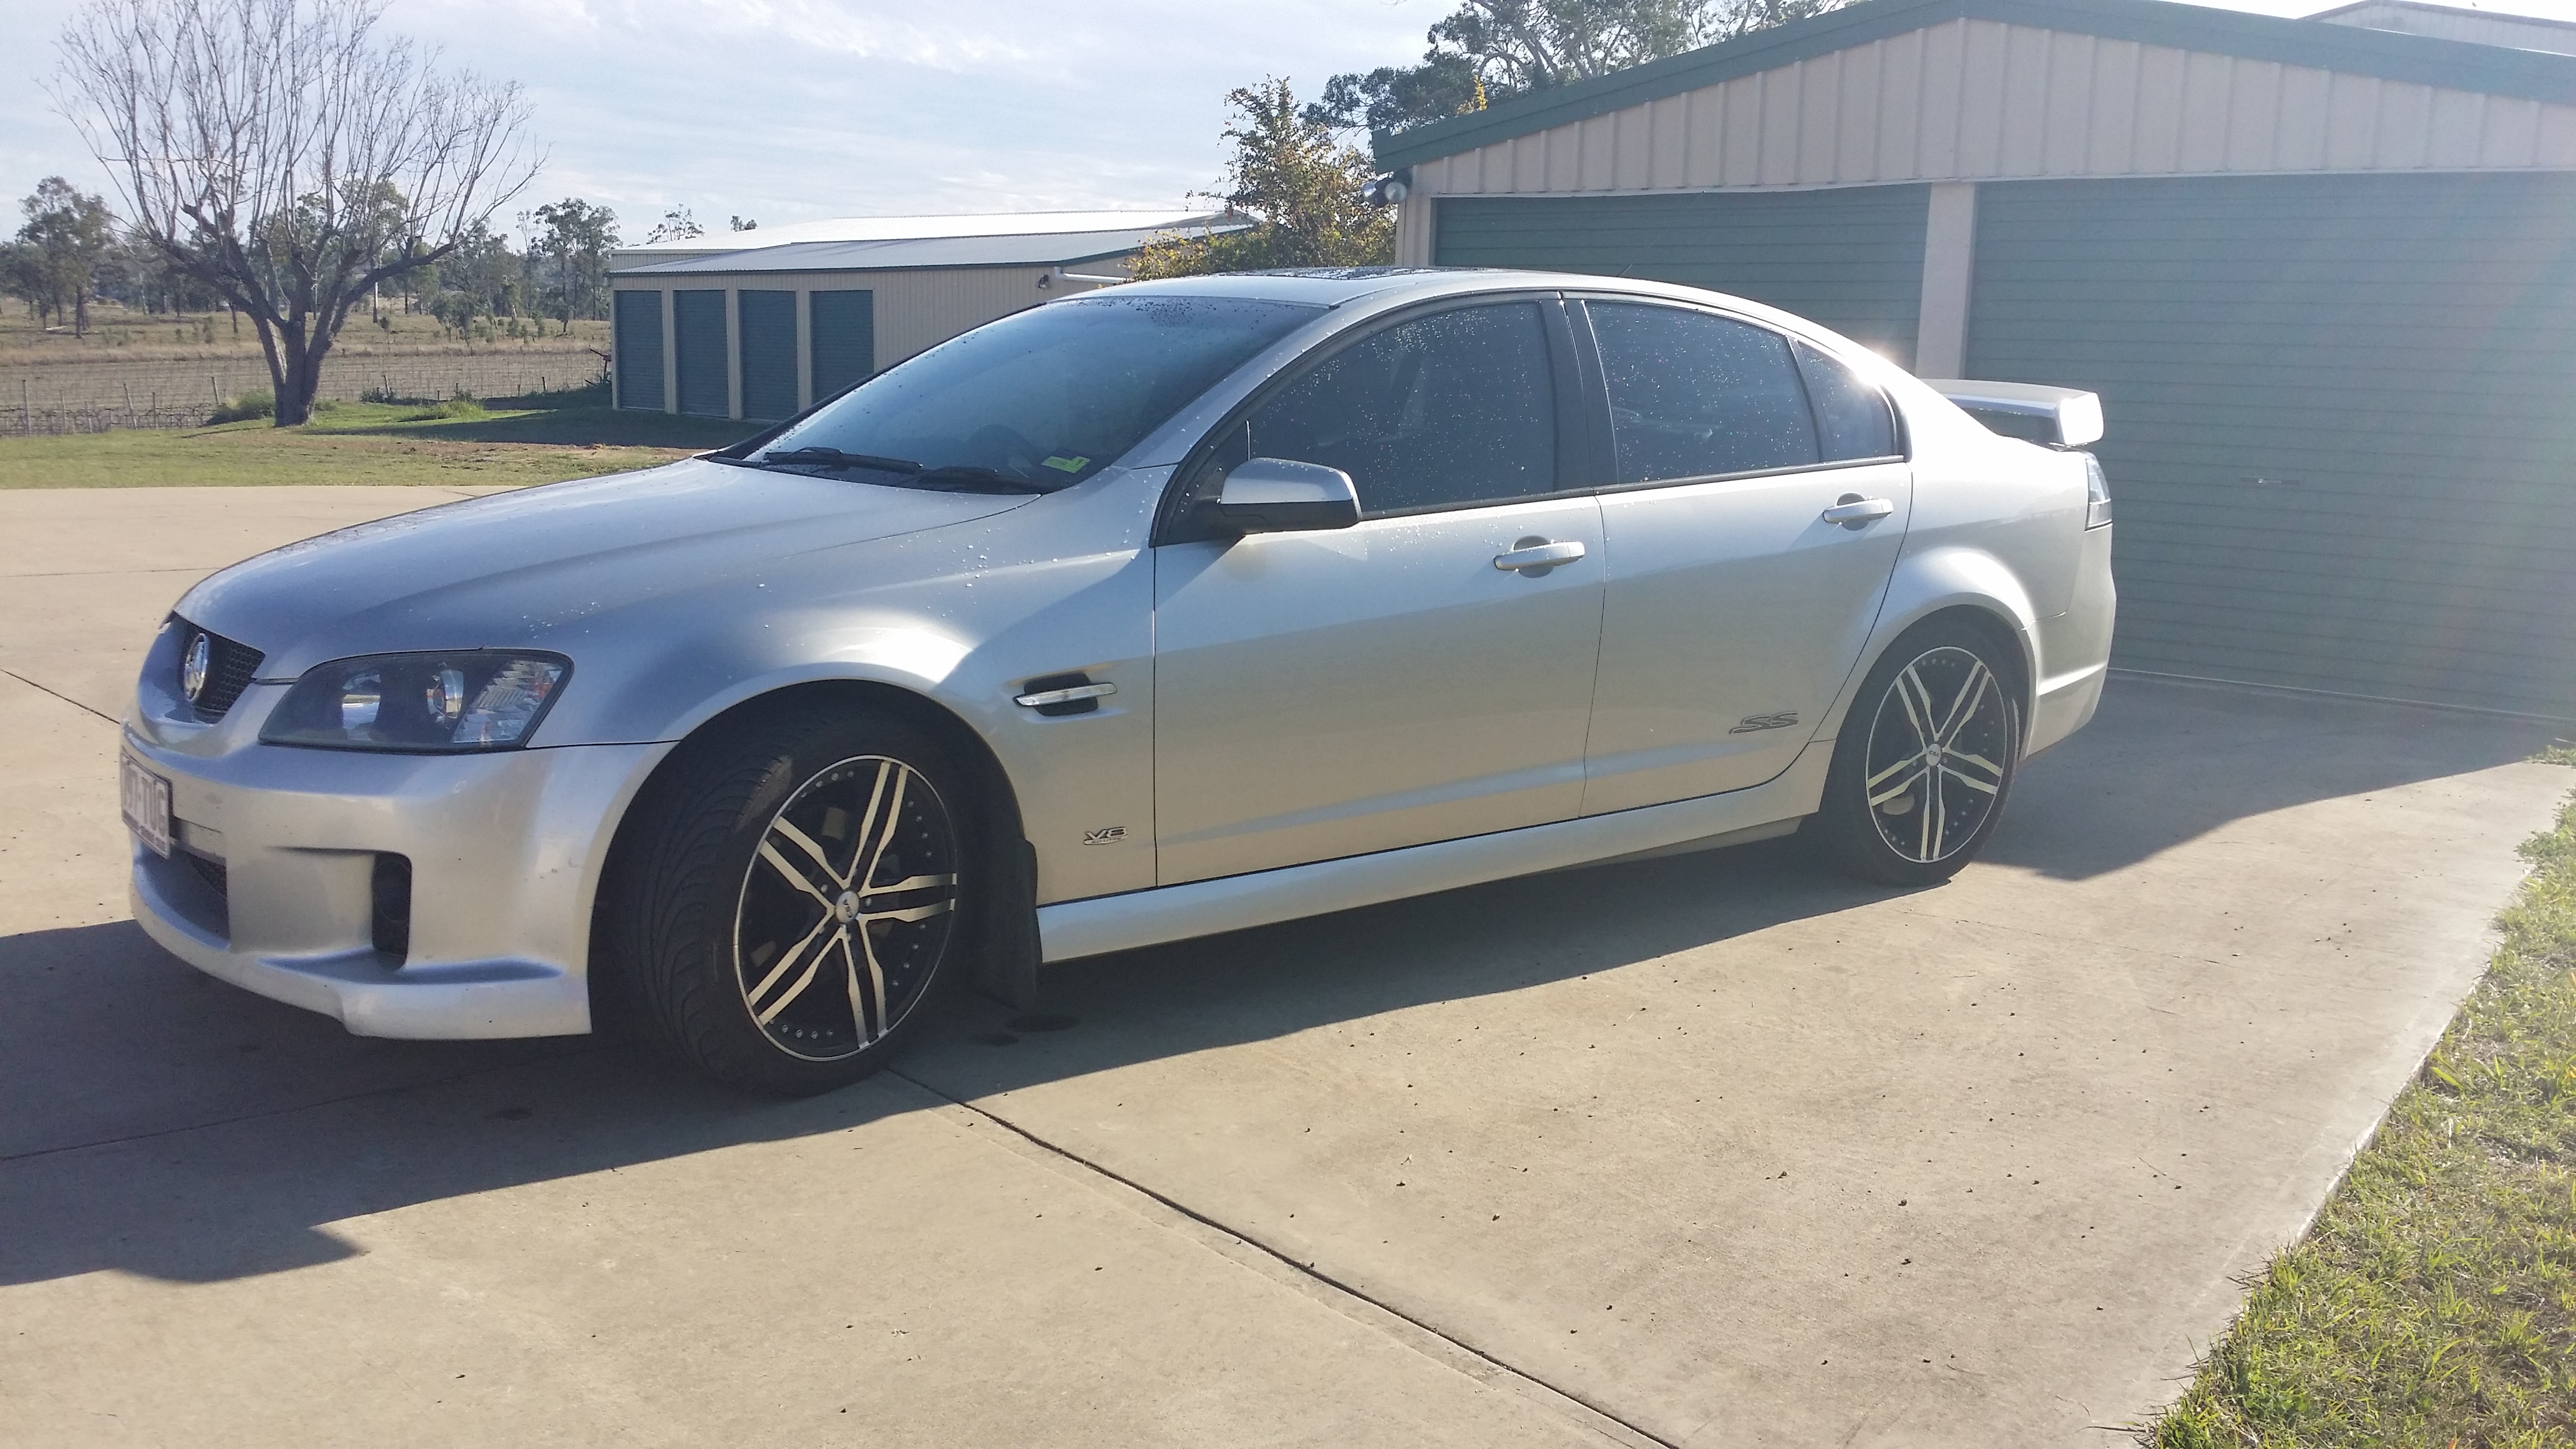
x=1753, y=722
x=1105, y=835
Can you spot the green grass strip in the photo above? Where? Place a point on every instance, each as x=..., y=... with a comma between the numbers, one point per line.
x=2434, y=1301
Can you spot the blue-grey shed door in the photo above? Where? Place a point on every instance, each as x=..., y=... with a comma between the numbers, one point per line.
x=2342, y=416
x=638, y=345
x=1850, y=258
x=768, y=328
x=844, y=328
x=698, y=347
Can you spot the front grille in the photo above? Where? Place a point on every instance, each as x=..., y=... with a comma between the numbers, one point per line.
x=230, y=667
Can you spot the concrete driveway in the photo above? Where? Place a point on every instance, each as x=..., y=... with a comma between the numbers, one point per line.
x=1705, y=1151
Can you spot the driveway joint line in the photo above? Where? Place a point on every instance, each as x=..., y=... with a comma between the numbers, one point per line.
x=56, y=693
x=1301, y=1269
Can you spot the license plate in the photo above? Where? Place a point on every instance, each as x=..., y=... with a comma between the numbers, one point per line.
x=145, y=798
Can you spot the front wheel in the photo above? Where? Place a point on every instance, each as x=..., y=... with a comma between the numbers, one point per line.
x=791, y=896
x=1925, y=759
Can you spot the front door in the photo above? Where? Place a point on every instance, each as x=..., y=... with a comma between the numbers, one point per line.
x=1321, y=695
x=1736, y=607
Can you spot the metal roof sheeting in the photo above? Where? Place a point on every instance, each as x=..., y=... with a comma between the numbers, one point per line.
x=2447, y=64
x=1039, y=250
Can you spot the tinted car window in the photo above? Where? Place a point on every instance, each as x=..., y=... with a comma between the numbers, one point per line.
x=1053, y=394
x=1851, y=416
x=1693, y=395
x=1450, y=409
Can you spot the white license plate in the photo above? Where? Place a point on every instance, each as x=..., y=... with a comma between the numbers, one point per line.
x=145, y=798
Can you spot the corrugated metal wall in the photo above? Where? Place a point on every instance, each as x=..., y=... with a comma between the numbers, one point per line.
x=843, y=326
x=638, y=345
x=2342, y=417
x=1850, y=258
x=1975, y=99
x=766, y=323
x=698, y=347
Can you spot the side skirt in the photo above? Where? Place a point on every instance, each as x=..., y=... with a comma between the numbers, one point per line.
x=1072, y=929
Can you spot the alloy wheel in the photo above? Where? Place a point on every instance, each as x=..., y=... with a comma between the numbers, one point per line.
x=1938, y=748
x=846, y=907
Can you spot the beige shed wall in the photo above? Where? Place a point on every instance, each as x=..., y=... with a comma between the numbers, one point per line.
x=1975, y=100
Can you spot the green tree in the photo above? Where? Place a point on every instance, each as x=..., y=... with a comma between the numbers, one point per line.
x=1298, y=183
x=69, y=234
x=287, y=157
x=1492, y=50
x=569, y=257
x=677, y=224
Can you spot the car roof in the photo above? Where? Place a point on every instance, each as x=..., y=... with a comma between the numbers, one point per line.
x=1390, y=286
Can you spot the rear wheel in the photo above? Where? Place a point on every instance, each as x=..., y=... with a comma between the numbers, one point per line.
x=1925, y=760
x=791, y=897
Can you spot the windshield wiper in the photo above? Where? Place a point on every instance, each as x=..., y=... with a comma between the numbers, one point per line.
x=921, y=474
x=835, y=458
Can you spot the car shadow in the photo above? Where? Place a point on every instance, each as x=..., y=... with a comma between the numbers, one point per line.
x=174, y=1127
x=565, y=427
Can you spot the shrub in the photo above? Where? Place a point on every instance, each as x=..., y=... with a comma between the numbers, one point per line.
x=242, y=407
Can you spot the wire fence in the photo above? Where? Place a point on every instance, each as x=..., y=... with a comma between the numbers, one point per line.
x=101, y=397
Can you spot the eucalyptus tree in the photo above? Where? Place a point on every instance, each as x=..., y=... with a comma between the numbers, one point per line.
x=288, y=157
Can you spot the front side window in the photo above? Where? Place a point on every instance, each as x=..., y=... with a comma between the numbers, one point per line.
x=1444, y=411
x=1694, y=395
x=1044, y=398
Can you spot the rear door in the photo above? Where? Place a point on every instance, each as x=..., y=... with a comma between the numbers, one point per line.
x=1320, y=695
x=1735, y=609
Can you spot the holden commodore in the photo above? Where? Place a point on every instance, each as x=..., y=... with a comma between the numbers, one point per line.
x=1158, y=611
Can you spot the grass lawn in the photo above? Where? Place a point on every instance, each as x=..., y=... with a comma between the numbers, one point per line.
x=2434, y=1301
x=368, y=443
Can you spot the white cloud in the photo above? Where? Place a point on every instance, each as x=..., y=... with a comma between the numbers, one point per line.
x=789, y=110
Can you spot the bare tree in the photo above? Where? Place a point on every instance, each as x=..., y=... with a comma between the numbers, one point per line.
x=278, y=152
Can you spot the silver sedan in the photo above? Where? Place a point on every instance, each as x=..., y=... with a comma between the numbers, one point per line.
x=1165, y=610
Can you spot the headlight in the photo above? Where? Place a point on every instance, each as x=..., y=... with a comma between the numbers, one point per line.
x=433, y=703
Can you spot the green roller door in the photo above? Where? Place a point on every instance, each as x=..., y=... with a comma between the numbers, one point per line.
x=844, y=328
x=638, y=346
x=2342, y=416
x=1850, y=258
x=698, y=349
x=767, y=322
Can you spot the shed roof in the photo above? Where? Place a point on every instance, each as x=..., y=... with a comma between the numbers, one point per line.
x=2387, y=55
x=901, y=253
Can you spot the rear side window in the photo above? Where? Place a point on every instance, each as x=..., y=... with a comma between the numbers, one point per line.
x=1443, y=411
x=1693, y=394
x=1851, y=416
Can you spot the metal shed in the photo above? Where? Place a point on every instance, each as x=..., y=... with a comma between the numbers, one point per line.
x=761, y=332
x=2323, y=275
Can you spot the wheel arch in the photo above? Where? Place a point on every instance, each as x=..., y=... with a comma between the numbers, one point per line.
x=996, y=799
x=1967, y=585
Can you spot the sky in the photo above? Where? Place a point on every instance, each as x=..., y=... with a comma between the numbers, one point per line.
x=795, y=110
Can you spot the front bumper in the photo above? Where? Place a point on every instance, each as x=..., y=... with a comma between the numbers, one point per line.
x=285, y=894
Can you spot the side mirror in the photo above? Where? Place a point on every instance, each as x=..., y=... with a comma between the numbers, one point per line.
x=1275, y=495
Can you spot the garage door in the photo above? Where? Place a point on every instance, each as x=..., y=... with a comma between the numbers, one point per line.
x=638, y=347
x=1849, y=258
x=698, y=353
x=2342, y=418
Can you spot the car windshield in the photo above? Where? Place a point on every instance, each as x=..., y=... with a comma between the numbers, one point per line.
x=1038, y=400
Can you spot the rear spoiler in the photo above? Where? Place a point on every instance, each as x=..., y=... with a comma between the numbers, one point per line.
x=2059, y=417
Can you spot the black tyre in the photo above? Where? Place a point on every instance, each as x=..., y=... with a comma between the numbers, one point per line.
x=787, y=897
x=1925, y=759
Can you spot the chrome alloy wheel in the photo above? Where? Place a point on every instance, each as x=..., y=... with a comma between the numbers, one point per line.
x=846, y=908
x=1937, y=748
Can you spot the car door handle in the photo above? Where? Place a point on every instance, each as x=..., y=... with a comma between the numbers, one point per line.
x=1854, y=511
x=1538, y=556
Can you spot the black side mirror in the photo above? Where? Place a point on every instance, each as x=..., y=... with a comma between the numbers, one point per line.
x=1276, y=495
